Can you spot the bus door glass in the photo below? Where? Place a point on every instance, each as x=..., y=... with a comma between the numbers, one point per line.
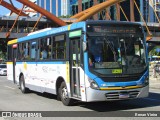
x=75, y=66
x=35, y=67
x=14, y=61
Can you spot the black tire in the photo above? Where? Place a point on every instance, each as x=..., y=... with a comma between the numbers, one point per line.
x=58, y=94
x=63, y=92
x=22, y=85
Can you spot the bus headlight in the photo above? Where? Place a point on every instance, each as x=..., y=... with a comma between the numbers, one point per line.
x=94, y=85
x=146, y=82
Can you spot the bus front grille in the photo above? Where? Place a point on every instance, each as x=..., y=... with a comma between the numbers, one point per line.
x=122, y=95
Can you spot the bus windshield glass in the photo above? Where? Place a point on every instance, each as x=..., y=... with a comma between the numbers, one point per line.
x=116, y=50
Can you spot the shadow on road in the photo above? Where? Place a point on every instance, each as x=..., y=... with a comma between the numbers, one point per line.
x=46, y=95
x=150, y=101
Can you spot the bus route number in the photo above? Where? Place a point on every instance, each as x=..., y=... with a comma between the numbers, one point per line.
x=116, y=71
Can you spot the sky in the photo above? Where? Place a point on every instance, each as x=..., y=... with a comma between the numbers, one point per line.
x=5, y=11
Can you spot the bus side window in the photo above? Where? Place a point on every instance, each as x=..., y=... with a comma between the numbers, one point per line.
x=61, y=50
x=59, y=47
x=33, y=50
x=26, y=51
x=45, y=49
x=21, y=51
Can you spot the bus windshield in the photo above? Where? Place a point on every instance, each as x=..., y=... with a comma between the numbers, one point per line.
x=110, y=54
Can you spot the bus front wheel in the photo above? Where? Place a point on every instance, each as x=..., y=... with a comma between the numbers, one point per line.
x=22, y=84
x=64, y=95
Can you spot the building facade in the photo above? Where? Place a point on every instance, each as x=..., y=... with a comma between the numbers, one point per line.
x=29, y=10
x=111, y=12
x=56, y=7
x=71, y=7
x=52, y=6
x=65, y=7
x=154, y=10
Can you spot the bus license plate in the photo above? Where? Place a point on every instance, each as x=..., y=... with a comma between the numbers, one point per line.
x=123, y=96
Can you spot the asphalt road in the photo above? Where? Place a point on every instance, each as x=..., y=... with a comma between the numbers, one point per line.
x=11, y=99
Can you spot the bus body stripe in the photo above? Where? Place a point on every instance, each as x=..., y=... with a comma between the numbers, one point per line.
x=9, y=63
x=42, y=62
x=12, y=41
x=69, y=27
x=121, y=88
x=67, y=72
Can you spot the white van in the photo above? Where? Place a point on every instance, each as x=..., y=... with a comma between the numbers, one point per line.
x=3, y=69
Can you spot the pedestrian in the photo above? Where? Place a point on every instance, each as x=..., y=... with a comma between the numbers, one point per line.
x=154, y=71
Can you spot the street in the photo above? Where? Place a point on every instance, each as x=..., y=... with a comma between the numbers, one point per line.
x=11, y=99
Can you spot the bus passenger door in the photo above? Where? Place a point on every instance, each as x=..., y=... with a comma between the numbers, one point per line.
x=14, y=61
x=75, y=67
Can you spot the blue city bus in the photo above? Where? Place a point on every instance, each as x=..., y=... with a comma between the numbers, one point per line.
x=86, y=61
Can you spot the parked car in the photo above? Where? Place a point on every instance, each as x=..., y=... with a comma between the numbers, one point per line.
x=3, y=69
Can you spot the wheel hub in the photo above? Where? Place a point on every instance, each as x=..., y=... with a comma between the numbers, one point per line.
x=64, y=93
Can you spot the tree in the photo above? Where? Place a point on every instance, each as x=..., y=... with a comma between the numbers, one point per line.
x=154, y=51
x=67, y=16
x=3, y=49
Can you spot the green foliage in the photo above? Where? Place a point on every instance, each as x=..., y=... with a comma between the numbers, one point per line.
x=153, y=52
x=2, y=55
x=68, y=16
x=3, y=49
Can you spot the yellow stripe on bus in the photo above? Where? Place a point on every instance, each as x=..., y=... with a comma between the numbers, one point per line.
x=121, y=88
x=67, y=73
x=9, y=62
x=69, y=27
x=12, y=41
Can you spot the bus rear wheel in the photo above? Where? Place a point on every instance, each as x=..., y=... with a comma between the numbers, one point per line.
x=64, y=95
x=22, y=84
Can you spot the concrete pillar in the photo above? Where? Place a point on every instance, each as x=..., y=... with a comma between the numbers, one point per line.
x=132, y=11
x=79, y=5
x=141, y=9
x=108, y=13
x=95, y=2
x=56, y=7
x=118, y=11
x=50, y=6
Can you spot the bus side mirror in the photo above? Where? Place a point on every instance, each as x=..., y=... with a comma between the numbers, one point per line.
x=84, y=46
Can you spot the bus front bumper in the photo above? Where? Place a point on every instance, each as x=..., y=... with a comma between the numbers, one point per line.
x=111, y=95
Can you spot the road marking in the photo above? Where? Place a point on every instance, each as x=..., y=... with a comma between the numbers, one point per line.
x=9, y=87
x=151, y=99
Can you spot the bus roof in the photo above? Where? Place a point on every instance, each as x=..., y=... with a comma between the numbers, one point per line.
x=112, y=22
x=12, y=41
x=39, y=31
x=50, y=31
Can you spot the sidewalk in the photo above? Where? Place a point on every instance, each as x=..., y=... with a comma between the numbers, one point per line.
x=1, y=118
x=154, y=82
